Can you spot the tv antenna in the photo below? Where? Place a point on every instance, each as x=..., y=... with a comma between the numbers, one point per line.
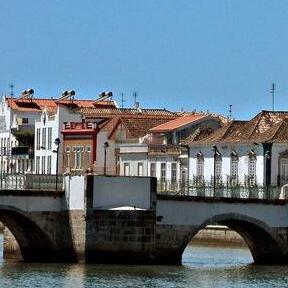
x=11, y=90
x=273, y=88
x=230, y=111
x=122, y=100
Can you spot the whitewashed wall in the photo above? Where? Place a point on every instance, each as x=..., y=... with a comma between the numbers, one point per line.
x=225, y=150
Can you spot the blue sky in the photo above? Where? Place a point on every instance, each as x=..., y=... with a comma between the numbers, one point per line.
x=200, y=55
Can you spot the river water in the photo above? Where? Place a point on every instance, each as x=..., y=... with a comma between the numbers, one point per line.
x=202, y=267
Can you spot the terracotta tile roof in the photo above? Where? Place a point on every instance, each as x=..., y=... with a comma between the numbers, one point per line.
x=278, y=133
x=95, y=112
x=267, y=126
x=199, y=134
x=140, y=126
x=38, y=104
x=178, y=123
x=227, y=133
x=136, y=126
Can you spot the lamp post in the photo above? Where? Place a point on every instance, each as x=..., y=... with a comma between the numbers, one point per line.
x=214, y=148
x=57, y=143
x=106, y=145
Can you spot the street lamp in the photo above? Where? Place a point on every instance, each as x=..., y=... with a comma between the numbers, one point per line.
x=216, y=153
x=57, y=143
x=106, y=145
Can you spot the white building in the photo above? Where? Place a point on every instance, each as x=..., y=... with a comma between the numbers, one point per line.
x=49, y=128
x=251, y=153
x=17, y=118
x=161, y=154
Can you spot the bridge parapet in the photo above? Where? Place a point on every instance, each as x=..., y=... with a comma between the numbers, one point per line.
x=16, y=181
x=209, y=190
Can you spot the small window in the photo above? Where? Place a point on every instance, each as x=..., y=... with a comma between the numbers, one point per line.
x=152, y=169
x=24, y=120
x=163, y=172
x=68, y=149
x=126, y=169
x=88, y=149
x=140, y=169
x=173, y=172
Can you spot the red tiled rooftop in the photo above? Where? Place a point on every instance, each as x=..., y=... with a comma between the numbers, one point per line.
x=178, y=123
x=38, y=104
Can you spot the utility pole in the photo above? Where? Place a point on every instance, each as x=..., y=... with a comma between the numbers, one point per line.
x=273, y=95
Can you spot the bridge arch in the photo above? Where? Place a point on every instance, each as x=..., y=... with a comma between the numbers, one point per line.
x=34, y=243
x=264, y=243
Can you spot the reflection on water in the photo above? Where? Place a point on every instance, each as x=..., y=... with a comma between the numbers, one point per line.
x=202, y=267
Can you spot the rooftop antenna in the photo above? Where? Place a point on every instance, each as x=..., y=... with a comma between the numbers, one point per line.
x=230, y=111
x=11, y=90
x=273, y=94
x=135, y=98
x=122, y=100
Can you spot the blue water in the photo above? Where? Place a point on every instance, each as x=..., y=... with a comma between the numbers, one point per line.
x=202, y=267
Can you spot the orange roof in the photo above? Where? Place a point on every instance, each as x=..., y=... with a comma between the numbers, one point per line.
x=38, y=104
x=177, y=123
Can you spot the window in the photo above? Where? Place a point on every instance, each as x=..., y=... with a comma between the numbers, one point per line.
x=173, y=172
x=88, y=155
x=24, y=120
x=78, y=156
x=140, y=169
x=126, y=169
x=152, y=169
x=49, y=145
x=43, y=165
x=218, y=166
x=44, y=137
x=252, y=167
x=37, y=164
x=234, y=165
x=284, y=169
x=67, y=157
x=38, y=131
x=49, y=161
x=199, y=165
x=163, y=172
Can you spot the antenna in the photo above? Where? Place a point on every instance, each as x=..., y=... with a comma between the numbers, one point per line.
x=273, y=94
x=230, y=111
x=11, y=90
x=122, y=100
x=135, y=97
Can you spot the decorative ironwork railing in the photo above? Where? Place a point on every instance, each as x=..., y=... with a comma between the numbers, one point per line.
x=15, y=181
x=230, y=189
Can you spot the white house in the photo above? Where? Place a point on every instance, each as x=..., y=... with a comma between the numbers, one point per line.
x=161, y=153
x=251, y=153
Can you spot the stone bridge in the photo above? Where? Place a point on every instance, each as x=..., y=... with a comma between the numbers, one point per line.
x=263, y=224
x=121, y=220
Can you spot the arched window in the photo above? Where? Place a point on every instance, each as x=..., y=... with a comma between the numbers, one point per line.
x=199, y=165
x=252, y=167
x=234, y=164
x=218, y=166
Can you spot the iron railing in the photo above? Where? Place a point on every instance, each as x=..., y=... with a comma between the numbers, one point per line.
x=16, y=181
x=219, y=190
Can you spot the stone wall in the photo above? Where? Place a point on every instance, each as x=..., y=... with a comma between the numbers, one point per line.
x=120, y=236
x=218, y=236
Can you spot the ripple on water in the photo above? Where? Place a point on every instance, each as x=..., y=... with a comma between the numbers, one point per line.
x=202, y=267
